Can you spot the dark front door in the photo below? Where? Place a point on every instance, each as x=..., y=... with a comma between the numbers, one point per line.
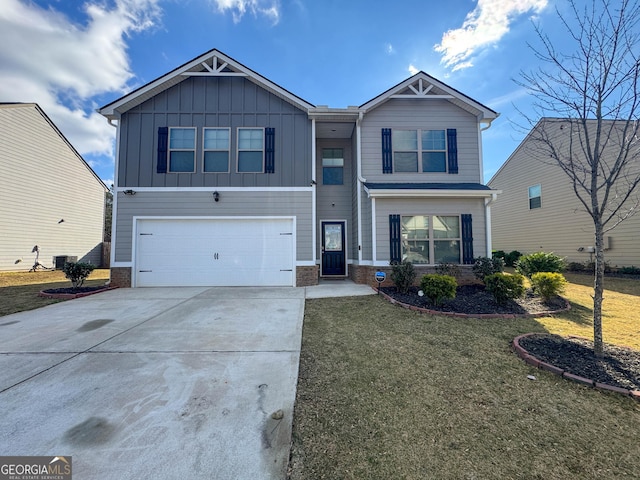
x=333, y=249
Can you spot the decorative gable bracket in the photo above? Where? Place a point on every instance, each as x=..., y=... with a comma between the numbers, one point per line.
x=420, y=89
x=217, y=68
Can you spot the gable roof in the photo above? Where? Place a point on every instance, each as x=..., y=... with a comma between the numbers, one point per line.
x=213, y=63
x=423, y=86
x=36, y=107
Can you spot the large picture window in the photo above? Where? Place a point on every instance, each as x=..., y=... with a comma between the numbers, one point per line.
x=419, y=151
x=182, y=150
x=216, y=150
x=431, y=239
x=251, y=150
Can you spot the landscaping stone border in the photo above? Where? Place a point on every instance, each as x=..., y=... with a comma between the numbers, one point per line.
x=535, y=362
x=71, y=296
x=476, y=315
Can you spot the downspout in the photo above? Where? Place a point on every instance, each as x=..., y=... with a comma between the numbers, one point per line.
x=314, y=190
x=114, y=206
x=487, y=219
x=481, y=155
x=361, y=181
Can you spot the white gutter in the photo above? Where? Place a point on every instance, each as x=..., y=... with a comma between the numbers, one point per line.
x=487, y=219
x=433, y=193
x=361, y=182
x=314, y=191
x=114, y=206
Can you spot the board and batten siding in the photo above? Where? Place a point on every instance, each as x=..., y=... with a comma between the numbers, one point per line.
x=43, y=181
x=201, y=204
x=561, y=225
x=214, y=102
x=431, y=206
x=407, y=114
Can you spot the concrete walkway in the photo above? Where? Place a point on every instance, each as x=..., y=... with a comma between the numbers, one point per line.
x=158, y=383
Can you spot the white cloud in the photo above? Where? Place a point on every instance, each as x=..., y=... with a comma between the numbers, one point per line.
x=47, y=59
x=389, y=49
x=412, y=69
x=484, y=26
x=268, y=8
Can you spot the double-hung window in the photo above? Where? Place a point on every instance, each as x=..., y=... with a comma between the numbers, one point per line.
x=431, y=239
x=419, y=151
x=182, y=149
x=251, y=150
x=535, y=197
x=216, y=150
x=332, y=166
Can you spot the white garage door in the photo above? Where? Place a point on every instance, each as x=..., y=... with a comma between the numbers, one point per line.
x=215, y=252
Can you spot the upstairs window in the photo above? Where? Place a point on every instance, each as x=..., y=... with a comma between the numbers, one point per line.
x=182, y=150
x=250, y=150
x=216, y=150
x=535, y=197
x=332, y=166
x=419, y=151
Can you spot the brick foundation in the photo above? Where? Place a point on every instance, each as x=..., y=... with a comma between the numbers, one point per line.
x=365, y=274
x=307, y=276
x=120, y=277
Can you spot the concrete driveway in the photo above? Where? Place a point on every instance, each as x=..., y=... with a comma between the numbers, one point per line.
x=155, y=383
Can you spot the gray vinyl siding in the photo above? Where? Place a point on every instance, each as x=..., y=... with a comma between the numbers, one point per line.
x=367, y=249
x=214, y=102
x=354, y=199
x=427, y=115
x=334, y=202
x=43, y=181
x=444, y=206
x=561, y=225
x=201, y=204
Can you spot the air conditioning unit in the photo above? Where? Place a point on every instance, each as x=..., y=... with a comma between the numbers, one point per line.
x=60, y=260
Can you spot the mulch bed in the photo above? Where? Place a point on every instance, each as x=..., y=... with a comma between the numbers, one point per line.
x=475, y=300
x=620, y=367
x=69, y=293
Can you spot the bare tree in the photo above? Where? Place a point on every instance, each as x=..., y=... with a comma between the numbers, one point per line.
x=595, y=91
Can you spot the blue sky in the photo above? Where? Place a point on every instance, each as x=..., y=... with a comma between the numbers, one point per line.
x=73, y=56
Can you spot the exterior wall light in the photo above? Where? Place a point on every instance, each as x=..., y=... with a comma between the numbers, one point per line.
x=216, y=197
x=129, y=192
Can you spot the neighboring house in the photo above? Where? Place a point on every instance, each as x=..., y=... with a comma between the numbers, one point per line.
x=225, y=178
x=539, y=211
x=49, y=196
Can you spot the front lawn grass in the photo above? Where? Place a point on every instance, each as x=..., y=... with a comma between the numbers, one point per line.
x=385, y=393
x=19, y=290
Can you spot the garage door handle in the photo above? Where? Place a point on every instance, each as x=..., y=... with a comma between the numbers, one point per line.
x=289, y=270
x=145, y=271
x=216, y=256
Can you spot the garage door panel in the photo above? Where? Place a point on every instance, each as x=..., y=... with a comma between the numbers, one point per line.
x=244, y=252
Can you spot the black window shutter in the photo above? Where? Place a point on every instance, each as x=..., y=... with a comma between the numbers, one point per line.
x=467, y=239
x=163, y=139
x=395, y=243
x=452, y=149
x=270, y=150
x=387, y=154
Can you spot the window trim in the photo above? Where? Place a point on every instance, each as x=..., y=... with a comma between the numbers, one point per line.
x=533, y=198
x=420, y=150
x=262, y=149
x=205, y=150
x=431, y=239
x=169, y=149
x=332, y=166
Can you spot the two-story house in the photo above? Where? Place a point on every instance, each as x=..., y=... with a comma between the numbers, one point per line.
x=225, y=178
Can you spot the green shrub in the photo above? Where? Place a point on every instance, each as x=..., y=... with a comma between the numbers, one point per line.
x=403, y=275
x=629, y=270
x=547, y=284
x=438, y=287
x=576, y=267
x=512, y=258
x=505, y=287
x=450, y=269
x=591, y=267
x=539, y=262
x=77, y=272
x=485, y=266
x=498, y=254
